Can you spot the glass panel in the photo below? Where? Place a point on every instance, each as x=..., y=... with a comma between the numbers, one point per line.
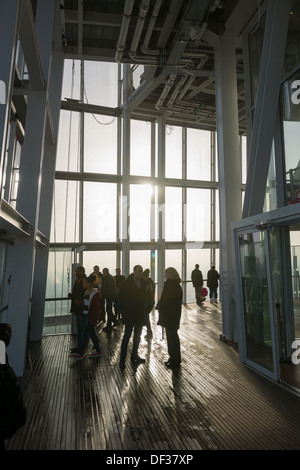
x=99, y=212
x=68, y=144
x=64, y=227
x=100, y=144
x=140, y=212
x=103, y=259
x=173, y=214
x=290, y=110
x=256, y=299
x=173, y=258
x=142, y=257
x=105, y=75
x=295, y=261
x=292, y=52
x=198, y=215
x=173, y=152
x=140, y=143
x=57, y=318
x=276, y=273
x=198, y=155
x=271, y=195
x=71, y=79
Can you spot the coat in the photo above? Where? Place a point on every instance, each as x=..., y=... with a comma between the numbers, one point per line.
x=133, y=301
x=109, y=287
x=212, y=278
x=169, y=305
x=94, y=309
x=197, y=278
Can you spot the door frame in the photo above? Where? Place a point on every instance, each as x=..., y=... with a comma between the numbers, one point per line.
x=275, y=374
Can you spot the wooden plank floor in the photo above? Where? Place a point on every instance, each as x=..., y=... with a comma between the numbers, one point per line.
x=212, y=402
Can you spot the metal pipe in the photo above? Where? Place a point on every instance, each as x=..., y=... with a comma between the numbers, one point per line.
x=124, y=29
x=144, y=7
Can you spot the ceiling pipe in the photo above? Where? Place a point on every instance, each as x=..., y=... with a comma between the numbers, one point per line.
x=143, y=10
x=145, y=47
x=168, y=86
x=124, y=29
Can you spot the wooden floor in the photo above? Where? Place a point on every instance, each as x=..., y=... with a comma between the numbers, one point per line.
x=212, y=402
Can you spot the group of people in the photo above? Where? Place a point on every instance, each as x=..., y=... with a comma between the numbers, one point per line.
x=103, y=297
x=212, y=283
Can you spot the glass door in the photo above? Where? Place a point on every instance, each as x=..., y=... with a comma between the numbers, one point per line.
x=260, y=317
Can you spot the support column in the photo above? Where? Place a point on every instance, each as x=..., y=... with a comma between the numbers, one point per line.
x=161, y=146
x=229, y=170
x=125, y=203
x=45, y=212
x=266, y=107
x=24, y=248
x=28, y=200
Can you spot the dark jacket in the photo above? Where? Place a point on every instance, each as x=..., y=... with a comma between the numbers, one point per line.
x=212, y=278
x=133, y=301
x=197, y=278
x=77, y=297
x=95, y=309
x=108, y=287
x=169, y=305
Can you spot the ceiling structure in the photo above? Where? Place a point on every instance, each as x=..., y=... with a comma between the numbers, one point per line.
x=171, y=39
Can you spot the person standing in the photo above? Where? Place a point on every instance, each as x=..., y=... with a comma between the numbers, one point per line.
x=169, y=309
x=212, y=283
x=108, y=294
x=76, y=297
x=133, y=296
x=99, y=281
x=119, y=278
x=91, y=315
x=150, y=305
x=197, y=280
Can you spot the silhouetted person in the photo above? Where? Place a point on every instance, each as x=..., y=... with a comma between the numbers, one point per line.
x=77, y=299
x=119, y=278
x=108, y=294
x=197, y=280
x=212, y=283
x=150, y=305
x=169, y=308
x=133, y=297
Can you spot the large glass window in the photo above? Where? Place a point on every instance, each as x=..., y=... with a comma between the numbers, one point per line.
x=290, y=109
x=65, y=225
x=140, y=143
x=57, y=318
x=198, y=154
x=173, y=214
x=173, y=152
x=140, y=212
x=101, y=258
x=100, y=144
x=68, y=145
x=198, y=215
x=99, y=212
x=100, y=83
